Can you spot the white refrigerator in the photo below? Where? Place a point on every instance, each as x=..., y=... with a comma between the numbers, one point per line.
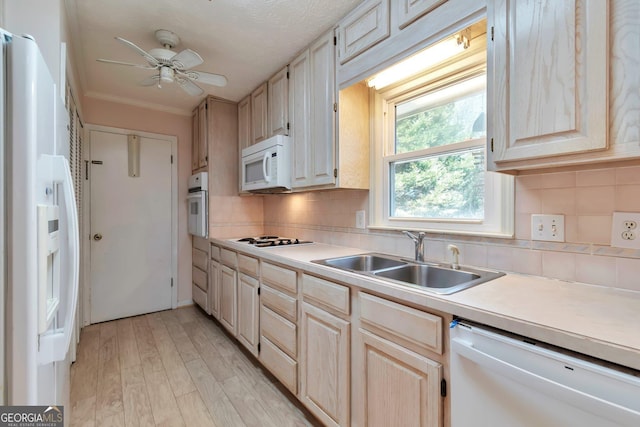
x=39, y=233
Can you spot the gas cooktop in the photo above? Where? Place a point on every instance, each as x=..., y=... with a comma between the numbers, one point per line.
x=270, y=241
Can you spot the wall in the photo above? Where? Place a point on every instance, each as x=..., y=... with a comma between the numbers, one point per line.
x=112, y=114
x=587, y=199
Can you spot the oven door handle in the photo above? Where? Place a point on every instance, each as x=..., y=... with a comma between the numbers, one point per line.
x=197, y=195
x=267, y=177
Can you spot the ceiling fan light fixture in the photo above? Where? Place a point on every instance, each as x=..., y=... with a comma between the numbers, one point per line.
x=166, y=74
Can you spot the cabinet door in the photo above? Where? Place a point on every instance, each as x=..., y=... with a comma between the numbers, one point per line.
x=203, y=148
x=214, y=288
x=410, y=10
x=363, y=27
x=228, y=298
x=324, y=366
x=547, y=73
x=278, y=97
x=195, y=144
x=398, y=387
x=259, y=113
x=244, y=123
x=322, y=110
x=299, y=118
x=248, y=312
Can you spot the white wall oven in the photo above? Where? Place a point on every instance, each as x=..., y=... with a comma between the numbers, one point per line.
x=198, y=205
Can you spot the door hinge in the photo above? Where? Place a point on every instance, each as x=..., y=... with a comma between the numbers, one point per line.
x=86, y=170
x=258, y=347
x=335, y=173
x=335, y=41
x=172, y=282
x=258, y=291
x=492, y=145
x=492, y=33
x=443, y=388
x=206, y=106
x=172, y=159
x=288, y=126
x=335, y=106
x=287, y=75
x=39, y=342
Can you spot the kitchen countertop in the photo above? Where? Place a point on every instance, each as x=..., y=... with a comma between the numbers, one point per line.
x=594, y=320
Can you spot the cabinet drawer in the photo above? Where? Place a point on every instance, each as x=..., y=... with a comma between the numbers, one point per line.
x=199, y=259
x=248, y=265
x=279, y=277
x=199, y=297
x=279, y=330
x=215, y=252
x=229, y=258
x=414, y=329
x=199, y=277
x=201, y=243
x=281, y=366
x=362, y=28
x=280, y=303
x=326, y=293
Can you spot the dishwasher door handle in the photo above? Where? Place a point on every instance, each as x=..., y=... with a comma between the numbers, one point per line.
x=620, y=414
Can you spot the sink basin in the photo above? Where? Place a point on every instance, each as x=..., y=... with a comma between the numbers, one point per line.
x=437, y=279
x=362, y=263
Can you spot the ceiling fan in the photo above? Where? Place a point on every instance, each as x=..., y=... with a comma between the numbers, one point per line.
x=171, y=66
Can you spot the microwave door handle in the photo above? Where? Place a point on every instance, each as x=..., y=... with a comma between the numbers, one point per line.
x=267, y=177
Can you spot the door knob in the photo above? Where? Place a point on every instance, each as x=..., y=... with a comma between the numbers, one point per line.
x=97, y=236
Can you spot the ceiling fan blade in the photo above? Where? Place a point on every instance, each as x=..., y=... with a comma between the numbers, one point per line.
x=186, y=59
x=150, y=59
x=109, y=61
x=150, y=81
x=206, y=78
x=190, y=87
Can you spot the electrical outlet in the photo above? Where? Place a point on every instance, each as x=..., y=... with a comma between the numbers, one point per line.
x=624, y=230
x=360, y=219
x=547, y=227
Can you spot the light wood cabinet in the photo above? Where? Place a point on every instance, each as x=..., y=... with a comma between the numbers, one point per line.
x=324, y=366
x=278, y=101
x=547, y=80
x=399, y=387
x=321, y=157
x=245, y=138
x=214, y=288
x=199, y=273
x=363, y=27
x=259, y=113
x=248, y=312
x=199, y=142
x=410, y=10
x=228, y=298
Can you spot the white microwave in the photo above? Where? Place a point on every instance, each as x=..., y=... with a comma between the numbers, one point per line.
x=266, y=166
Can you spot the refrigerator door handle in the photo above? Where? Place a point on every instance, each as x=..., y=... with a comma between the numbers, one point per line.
x=54, y=344
x=579, y=399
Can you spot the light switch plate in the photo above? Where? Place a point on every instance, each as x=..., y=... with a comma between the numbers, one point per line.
x=625, y=230
x=360, y=219
x=547, y=227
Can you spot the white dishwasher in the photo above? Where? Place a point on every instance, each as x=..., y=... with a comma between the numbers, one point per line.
x=501, y=380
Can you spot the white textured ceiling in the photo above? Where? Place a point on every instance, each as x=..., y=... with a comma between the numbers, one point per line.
x=246, y=40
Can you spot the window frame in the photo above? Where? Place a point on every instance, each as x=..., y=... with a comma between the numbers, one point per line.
x=499, y=188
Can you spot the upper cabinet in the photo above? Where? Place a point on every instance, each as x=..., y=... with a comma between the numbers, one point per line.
x=259, y=115
x=278, y=96
x=245, y=134
x=548, y=67
x=363, y=27
x=579, y=106
x=410, y=10
x=199, y=142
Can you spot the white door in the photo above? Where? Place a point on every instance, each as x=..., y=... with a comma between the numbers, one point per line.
x=131, y=225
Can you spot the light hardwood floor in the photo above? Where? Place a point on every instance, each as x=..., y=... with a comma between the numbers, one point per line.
x=174, y=368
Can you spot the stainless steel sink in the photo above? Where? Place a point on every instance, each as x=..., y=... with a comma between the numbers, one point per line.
x=439, y=279
x=365, y=262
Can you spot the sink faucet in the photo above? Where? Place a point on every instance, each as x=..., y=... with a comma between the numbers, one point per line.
x=418, y=239
x=454, y=252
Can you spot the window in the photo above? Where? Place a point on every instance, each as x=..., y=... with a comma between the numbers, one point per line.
x=430, y=165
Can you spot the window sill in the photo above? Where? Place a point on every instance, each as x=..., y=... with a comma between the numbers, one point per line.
x=498, y=235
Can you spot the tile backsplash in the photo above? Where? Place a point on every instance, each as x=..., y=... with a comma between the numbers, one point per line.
x=587, y=199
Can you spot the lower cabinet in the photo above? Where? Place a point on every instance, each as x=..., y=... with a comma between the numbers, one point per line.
x=248, y=312
x=324, y=366
x=398, y=386
x=228, y=298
